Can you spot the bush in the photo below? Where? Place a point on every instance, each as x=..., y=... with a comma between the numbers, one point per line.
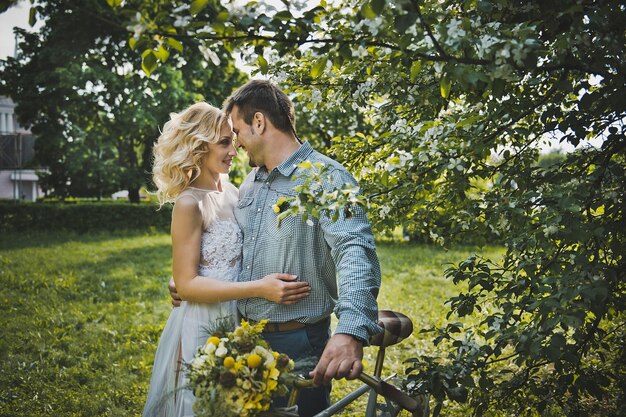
x=83, y=217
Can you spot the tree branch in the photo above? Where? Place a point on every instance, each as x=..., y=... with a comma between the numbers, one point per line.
x=427, y=29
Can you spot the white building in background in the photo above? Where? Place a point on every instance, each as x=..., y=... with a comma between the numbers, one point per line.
x=16, y=152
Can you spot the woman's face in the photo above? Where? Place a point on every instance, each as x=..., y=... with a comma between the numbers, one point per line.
x=219, y=157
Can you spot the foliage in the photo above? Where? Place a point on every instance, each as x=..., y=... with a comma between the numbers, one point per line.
x=456, y=98
x=83, y=217
x=74, y=82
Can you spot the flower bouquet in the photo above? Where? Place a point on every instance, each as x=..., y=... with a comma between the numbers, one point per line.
x=237, y=374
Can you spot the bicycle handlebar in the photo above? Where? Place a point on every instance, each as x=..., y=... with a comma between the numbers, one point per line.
x=381, y=387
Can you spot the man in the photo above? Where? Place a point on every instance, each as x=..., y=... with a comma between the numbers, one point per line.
x=324, y=253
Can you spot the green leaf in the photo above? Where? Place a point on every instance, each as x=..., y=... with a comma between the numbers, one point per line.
x=377, y=6
x=114, y=3
x=416, y=67
x=445, y=86
x=132, y=42
x=32, y=16
x=283, y=15
x=468, y=122
x=148, y=61
x=197, y=6
x=263, y=64
x=222, y=16
x=368, y=12
x=403, y=22
x=458, y=394
x=219, y=27
x=497, y=87
x=318, y=68
x=162, y=53
x=174, y=43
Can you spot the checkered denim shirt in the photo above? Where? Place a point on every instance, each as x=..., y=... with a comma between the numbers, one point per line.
x=337, y=259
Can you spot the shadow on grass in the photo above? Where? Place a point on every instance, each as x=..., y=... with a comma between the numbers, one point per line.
x=88, y=268
x=47, y=238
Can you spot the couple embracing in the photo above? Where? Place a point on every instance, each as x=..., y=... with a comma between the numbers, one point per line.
x=231, y=256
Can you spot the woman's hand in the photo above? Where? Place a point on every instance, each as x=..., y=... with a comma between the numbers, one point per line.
x=283, y=288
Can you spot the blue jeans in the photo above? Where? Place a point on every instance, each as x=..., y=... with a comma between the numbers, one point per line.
x=305, y=347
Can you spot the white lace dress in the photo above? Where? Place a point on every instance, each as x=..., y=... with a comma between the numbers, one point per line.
x=186, y=327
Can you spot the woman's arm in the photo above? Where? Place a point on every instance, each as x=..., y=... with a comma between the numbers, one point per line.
x=186, y=235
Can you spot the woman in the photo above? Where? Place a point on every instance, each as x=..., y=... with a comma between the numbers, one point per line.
x=192, y=158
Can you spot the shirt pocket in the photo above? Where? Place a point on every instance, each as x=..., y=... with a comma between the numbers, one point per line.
x=242, y=213
x=244, y=202
x=287, y=225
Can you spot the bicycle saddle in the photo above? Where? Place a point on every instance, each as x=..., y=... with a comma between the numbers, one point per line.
x=397, y=327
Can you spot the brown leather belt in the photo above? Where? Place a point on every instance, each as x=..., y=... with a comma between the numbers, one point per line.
x=279, y=327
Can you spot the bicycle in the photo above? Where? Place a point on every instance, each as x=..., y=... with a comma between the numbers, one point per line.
x=397, y=327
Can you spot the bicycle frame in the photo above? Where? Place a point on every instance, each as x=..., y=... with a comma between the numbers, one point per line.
x=397, y=327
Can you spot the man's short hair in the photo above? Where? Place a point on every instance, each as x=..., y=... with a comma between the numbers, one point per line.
x=265, y=97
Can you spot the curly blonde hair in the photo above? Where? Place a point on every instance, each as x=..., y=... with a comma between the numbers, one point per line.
x=179, y=150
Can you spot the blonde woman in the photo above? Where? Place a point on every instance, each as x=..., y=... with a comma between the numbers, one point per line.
x=192, y=158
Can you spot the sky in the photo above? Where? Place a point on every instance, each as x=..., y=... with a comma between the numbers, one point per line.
x=15, y=16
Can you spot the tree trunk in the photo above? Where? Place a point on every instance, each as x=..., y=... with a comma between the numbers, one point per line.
x=133, y=195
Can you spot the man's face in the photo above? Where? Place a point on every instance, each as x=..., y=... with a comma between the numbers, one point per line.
x=247, y=139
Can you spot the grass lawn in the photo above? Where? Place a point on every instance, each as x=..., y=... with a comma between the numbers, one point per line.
x=80, y=317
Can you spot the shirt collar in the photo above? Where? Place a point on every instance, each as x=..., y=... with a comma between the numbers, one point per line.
x=289, y=165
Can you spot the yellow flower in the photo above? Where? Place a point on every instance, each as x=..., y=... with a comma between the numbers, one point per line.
x=229, y=362
x=254, y=360
x=276, y=208
x=238, y=365
x=271, y=385
x=213, y=340
x=274, y=373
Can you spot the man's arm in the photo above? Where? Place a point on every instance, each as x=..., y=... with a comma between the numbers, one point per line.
x=352, y=248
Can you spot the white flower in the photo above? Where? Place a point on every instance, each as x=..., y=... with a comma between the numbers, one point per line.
x=438, y=66
x=399, y=126
x=486, y=42
x=221, y=351
x=455, y=32
x=209, y=348
x=455, y=163
x=316, y=96
x=550, y=230
x=372, y=25
x=280, y=76
x=384, y=210
x=182, y=21
x=360, y=52
x=209, y=55
x=198, y=362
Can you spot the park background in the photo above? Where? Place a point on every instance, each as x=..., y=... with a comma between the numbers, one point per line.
x=508, y=257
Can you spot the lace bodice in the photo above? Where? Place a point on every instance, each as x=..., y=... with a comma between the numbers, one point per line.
x=220, y=250
x=221, y=240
